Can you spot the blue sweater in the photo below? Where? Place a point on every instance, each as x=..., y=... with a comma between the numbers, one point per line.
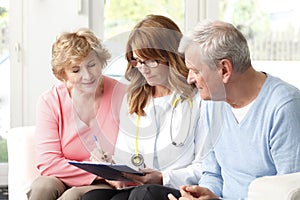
x=265, y=142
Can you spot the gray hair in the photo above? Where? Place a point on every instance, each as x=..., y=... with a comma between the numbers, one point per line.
x=219, y=40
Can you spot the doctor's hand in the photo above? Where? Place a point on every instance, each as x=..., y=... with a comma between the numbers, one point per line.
x=151, y=177
x=194, y=192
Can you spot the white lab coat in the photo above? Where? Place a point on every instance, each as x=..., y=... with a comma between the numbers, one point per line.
x=179, y=164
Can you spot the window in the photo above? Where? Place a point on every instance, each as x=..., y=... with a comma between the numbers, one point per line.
x=4, y=91
x=273, y=33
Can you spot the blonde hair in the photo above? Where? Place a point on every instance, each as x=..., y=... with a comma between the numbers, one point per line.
x=71, y=47
x=156, y=37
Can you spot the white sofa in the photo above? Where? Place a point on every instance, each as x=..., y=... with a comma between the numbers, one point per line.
x=281, y=187
x=21, y=161
x=22, y=171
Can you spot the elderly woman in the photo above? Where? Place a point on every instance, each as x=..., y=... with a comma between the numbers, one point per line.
x=76, y=119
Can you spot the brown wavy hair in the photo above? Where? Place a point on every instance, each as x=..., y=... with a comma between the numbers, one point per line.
x=156, y=37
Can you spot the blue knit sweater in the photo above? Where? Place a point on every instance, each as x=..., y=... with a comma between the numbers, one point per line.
x=265, y=142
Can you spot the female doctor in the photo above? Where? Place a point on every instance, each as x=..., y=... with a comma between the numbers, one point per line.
x=159, y=132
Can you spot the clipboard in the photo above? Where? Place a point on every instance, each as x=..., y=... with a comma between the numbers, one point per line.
x=106, y=170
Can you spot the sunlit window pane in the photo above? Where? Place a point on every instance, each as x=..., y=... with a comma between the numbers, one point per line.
x=4, y=82
x=121, y=16
x=272, y=29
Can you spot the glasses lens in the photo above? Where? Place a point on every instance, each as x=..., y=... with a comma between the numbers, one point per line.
x=151, y=63
x=148, y=63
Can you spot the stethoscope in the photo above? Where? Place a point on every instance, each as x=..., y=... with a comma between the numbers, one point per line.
x=137, y=159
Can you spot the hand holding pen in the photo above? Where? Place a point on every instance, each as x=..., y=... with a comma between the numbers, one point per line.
x=98, y=155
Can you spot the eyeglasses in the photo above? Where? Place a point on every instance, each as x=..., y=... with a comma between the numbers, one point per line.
x=148, y=63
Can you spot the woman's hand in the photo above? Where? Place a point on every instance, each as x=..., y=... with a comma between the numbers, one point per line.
x=151, y=176
x=99, y=156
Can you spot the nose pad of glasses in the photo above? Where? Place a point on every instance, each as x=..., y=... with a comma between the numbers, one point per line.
x=144, y=69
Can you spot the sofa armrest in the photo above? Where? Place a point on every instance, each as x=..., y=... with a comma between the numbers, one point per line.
x=280, y=187
x=21, y=161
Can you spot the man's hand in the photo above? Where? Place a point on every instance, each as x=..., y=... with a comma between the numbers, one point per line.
x=194, y=192
x=151, y=176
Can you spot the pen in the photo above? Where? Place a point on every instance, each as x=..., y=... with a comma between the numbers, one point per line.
x=97, y=143
x=99, y=148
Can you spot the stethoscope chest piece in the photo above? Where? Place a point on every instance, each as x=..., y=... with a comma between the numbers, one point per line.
x=137, y=160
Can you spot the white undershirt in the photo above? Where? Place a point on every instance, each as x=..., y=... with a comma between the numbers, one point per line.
x=240, y=113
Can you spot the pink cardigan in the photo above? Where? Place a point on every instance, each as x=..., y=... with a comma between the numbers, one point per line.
x=57, y=136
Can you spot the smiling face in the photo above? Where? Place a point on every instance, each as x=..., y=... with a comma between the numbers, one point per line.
x=85, y=75
x=208, y=80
